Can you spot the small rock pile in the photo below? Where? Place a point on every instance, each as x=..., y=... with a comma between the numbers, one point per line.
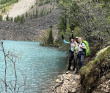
x=67, y=83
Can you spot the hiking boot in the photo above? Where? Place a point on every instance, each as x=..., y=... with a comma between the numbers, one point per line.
x=76, y=72
x=69, y=69
x=73, y=69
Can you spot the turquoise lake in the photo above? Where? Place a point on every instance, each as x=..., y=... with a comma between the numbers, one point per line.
x=38, y=65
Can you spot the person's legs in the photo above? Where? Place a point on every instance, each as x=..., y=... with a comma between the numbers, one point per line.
x=79, y=57
x=82, y=58
x=70, y=60
x=74, y=62
x=77, y=65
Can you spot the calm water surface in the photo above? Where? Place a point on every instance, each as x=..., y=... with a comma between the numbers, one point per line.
x=40, y=65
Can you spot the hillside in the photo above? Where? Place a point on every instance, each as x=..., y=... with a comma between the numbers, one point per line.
x=32, y=28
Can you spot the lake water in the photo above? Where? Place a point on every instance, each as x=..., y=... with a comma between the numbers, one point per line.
x=39, y=65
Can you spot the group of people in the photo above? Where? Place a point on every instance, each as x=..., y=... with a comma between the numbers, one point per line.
x=77, y=52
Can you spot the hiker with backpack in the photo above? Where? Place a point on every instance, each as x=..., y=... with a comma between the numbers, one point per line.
x=71, y=57
x=82, y=47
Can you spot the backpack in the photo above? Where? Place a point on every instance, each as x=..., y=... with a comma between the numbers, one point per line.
x=87, y=51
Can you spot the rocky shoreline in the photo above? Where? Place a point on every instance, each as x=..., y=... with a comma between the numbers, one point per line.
x=69, y=82
x=94, y=77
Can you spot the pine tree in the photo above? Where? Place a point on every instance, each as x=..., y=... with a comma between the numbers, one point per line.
x=50, y=10
x=1, y=18
x=30, y=16
x=7, y=18
x=33, y=14
x=50, y=39
x=4, y=9
x=15, y=19
x=11, y=19
x=22, y=19
x=62, y=26
x=57, y=1
x=36, y=13
x=41, y=13
x=26, y=14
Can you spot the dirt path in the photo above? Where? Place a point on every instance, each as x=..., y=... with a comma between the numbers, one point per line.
x=20, y=8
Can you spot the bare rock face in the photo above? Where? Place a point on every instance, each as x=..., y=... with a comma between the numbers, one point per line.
x=67, y=83
x=14, y=31
x=104, y=86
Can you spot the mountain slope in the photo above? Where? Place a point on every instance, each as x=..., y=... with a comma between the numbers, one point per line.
x=33, y=28
x=20, y=8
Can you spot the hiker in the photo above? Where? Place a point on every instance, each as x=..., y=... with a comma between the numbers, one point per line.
x=81, y=53
x=76, y=51
x=71, y=57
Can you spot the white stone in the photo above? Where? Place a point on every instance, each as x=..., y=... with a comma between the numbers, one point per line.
x=58, y=81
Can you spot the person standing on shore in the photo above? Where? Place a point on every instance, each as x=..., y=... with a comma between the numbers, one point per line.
x=76, y=51
x=71, y=57
x=81, y=53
